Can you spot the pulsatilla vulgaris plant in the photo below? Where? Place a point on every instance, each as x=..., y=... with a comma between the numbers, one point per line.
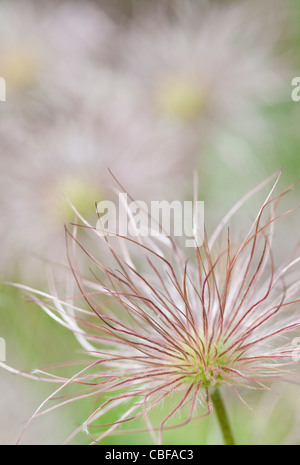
x=158, y=325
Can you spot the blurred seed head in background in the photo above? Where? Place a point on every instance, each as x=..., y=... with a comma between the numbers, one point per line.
x=146, y=96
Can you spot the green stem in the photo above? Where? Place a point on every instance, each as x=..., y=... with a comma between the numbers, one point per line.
x=222, y=417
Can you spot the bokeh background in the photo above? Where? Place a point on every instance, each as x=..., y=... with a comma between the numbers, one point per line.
x=151, y=91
